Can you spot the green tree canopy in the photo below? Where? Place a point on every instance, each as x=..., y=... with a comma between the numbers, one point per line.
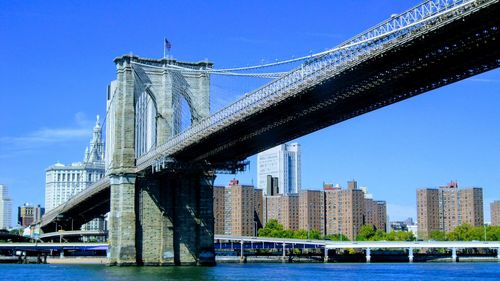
x=275, y=229
x=336, y=237
x=366, y=233
x=438, y=235
x=463, y=232
x=466, y=232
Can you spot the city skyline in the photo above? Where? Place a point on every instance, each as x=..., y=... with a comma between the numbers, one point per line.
x=242, y=210
x=58, y=85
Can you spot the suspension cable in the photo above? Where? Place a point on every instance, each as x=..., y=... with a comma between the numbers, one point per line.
x=347, y=45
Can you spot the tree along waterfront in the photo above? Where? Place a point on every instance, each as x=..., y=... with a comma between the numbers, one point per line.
x=366, y=233
x=464, y=232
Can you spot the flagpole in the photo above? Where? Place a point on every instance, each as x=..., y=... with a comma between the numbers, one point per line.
x=164, y=47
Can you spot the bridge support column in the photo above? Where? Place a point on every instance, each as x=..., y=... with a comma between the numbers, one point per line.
x=175, y=219
x=194, y=219
x=498, y=253
x=242, y=256
x=410, y=254
x=325, y=258
x=283, y=258
x=122, y=220
x=155, y=229
x=453, y=254
x=368, y=255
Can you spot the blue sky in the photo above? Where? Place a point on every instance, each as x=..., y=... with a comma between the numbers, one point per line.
x=57, y=60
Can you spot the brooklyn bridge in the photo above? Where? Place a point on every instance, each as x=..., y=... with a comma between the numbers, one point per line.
x=159, y=176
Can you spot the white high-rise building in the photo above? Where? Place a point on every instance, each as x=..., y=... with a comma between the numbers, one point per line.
x=64, y=181
x=281, y=162
x=5, y=208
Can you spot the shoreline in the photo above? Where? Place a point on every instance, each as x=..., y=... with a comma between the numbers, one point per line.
x=77, y=260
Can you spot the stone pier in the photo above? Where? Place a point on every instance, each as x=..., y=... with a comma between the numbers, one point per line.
x=122, y=219
x=166, y=217
x=175, y=219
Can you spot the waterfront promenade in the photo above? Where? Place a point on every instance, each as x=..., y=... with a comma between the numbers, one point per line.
x=273, y=249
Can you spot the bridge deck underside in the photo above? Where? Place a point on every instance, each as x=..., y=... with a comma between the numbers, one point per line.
x=81, y=212
x=447, y=54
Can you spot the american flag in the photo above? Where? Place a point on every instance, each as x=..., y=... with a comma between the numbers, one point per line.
x=168, y=45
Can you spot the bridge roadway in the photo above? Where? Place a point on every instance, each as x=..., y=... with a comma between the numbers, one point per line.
x=417, y=54
x=60, y=235
x=90, y=203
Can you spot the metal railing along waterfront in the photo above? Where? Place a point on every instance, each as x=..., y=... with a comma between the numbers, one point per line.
x=320, y=243
x=392, y=32
x=53, y=246
x=329, y=244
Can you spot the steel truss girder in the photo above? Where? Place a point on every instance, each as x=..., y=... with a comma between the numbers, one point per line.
x=169, y=164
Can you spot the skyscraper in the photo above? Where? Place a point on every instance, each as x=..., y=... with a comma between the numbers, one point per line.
x=5, y=208
x=272, y=208
x=282, y=162
x=219, y=205
x=258, y=201
x=495, y=212
x=284, y=209
x=448, y=207
x=375, y=211
x=237, y=209
x=290, y=211
x=64, y=181
x=311, y=210
x=427, y=211
x=28, y=214
x=344, y=209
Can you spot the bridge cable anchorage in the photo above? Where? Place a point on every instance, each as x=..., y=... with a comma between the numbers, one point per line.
x=399, y=19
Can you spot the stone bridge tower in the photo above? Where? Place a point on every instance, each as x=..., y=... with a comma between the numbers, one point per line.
x=162, y=218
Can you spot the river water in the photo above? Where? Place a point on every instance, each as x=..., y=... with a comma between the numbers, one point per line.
x=266, y=272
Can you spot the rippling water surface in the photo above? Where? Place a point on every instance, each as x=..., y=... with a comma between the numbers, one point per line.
x=374, y=271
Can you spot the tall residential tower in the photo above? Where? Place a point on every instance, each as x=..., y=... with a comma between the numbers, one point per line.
x=237, y=209
x=495, y=212
x=445, y=208
x=5, y=208
x=344, y=209
x=282, y=162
